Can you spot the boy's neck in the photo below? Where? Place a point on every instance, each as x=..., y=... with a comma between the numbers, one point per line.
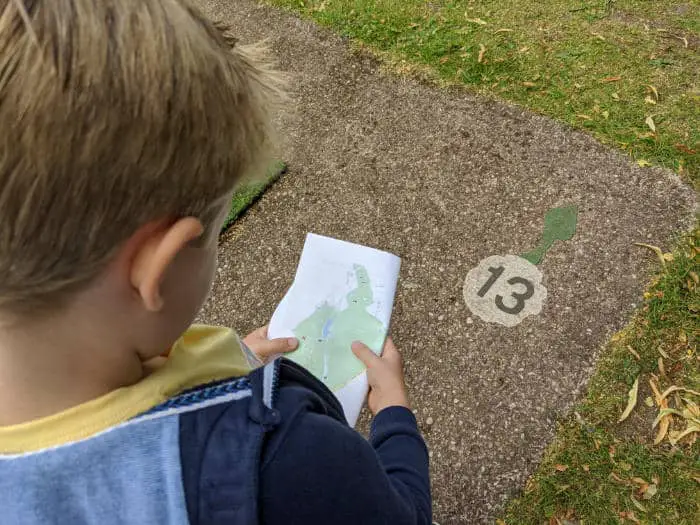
x=52, y=365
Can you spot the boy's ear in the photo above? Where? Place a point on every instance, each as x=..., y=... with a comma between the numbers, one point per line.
x=156, y=253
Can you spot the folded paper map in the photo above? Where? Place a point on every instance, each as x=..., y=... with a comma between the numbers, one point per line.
x=342, y=292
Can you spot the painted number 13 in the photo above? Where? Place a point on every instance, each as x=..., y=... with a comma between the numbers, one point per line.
x=520, y=298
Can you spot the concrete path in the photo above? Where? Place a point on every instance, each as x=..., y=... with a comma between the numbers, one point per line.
x=445, y=179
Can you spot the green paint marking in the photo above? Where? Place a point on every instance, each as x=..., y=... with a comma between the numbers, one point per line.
x=559, y=225
x=325, y=337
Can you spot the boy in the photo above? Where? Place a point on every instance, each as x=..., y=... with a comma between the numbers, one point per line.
x=124, y=126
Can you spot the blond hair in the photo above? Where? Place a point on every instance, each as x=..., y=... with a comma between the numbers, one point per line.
x=114, y=113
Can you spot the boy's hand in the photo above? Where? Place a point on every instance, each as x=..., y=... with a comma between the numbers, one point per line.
x=265, y=348
x=385, y=376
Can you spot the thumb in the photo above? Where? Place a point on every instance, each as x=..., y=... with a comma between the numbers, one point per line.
x=269, y=347
x=363, y=353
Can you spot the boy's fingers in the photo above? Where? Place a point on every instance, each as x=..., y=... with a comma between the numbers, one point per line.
x=363, y=353
x=269, y=347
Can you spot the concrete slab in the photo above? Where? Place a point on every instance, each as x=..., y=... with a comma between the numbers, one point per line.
x=445, y=179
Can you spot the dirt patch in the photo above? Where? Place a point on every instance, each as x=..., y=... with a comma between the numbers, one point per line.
x=444, y=179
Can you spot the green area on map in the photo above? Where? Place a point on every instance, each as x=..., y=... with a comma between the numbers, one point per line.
x=325, y=337
x=559, y=225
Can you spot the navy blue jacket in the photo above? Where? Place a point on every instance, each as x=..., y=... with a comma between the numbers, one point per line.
x=286, y=456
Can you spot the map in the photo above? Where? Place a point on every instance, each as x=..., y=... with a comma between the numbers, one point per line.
x=325, y=336
x=342, y=292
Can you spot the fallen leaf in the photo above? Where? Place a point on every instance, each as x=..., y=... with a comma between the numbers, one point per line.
x=649, y=100
x=586, y=468
x=654, y=91
x=675, y=388
x=662, y=368
x=599, y=37
x=639, y=481
x=684, y=149
x=631, y=400
x=561, y=468
x=637, y=504
x=584, y=117
x=444, y=60
x=650, y=491
x=611, y=79
x=617, y=478
x=649, y=401
x=606, y=114
x=503, y=30
x=524, y=49
x=475, y=21
x=482, y=50
x=642, y=163
x=529, y=84
x=653, y=248
x=500, y=522
x=633, y=352
x=630, y=516
x=655, y=479
x=650, y=122
x=615, y=96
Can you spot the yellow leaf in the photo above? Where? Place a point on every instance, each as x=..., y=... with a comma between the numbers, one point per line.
x=649, y=401
x=482, y=50
x=529, y=84
x=653, y=248
x=633, y=352
x=606, y=114
x=675, y=388
x=631, y=401
x=615, y=96
x=637, y=504
x=584, y=117
x=668, y=256
x=649, y=100
x=650, y=491
x=642, y=163
x=654, y=91
x=662, y=368
x=663, y=428
x=476, y=21
x=650, y=122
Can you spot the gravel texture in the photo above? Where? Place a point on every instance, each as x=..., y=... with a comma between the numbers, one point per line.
x=444, y=179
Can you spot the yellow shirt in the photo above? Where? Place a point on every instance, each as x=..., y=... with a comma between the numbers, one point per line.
x=203, y=354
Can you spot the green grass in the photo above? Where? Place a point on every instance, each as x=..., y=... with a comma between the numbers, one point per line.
x=596, y=465
x=614, y=68
x=246, y=196
x=589, y=63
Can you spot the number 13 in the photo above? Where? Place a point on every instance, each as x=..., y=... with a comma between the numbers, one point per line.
x=520, y=298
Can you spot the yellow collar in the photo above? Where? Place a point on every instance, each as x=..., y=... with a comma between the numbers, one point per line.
x=202, y=355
